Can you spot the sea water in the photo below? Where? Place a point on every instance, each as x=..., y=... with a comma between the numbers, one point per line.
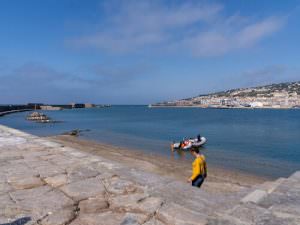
x=261, y=141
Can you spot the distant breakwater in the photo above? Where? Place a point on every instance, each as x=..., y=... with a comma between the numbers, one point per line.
x=8, y=109
x=14, y=111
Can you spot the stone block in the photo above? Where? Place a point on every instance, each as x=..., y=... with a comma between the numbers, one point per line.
x=133, y=219
x=81, y=173
x=137, y=203
x=84, y=189
x=4, y=188
x=118, y=186
x=19, y=171
x=50, y=144
x=277, y=198
x=175, y=214
x=41, y=201
x=57, y=180
x=225, y=220
x=153, y=221
x=49, y=170
x=93, y=205
x=248, y=212
x=286, y=210
x=255, y=196
x=295, y=176
x=271, y=219
x=289, y=186
x=60, y=217
x=106, y=218
x=77, y=154
x=9, y=209
x=26, y=183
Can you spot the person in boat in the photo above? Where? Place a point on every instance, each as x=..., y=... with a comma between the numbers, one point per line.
x=199, y=137
x=199, y=169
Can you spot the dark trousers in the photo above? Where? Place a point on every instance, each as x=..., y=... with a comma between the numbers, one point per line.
x=197, y=182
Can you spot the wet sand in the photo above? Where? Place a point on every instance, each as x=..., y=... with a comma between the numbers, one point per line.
x=219, y=180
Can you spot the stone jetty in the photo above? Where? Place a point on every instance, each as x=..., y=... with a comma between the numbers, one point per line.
x=43, y=182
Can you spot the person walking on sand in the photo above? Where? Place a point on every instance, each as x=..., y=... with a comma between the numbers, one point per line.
x=199, y=169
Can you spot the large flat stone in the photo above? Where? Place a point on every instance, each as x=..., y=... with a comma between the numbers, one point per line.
x=81, y=172
x=41, y=201
x=286, y=210
x=225, y=220
x=84, y=189
x=9, y=210
x=279, y=198
x=248, y=212
x=106, y=218
x=4, y=188
x=295, y=176
x=93, y=205
x=178, y=215
x=57, y=180
x=153, y=221
x=255, y=196
x=26, y=183
x=136, y=203
x=118, y=186
x=134, y=219
x=271, y=219
x=60, y=217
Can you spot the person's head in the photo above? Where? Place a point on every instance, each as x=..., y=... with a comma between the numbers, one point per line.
x=195, y=151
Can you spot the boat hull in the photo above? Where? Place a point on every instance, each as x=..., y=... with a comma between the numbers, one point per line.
x=193, y=144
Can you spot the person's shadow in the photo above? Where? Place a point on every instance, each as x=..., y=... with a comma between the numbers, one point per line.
x=20, y=221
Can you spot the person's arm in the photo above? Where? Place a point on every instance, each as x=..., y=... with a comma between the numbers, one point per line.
x=196, y=171
x=205, y=169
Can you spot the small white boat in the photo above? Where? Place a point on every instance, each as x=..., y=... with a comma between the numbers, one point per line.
x=189, y=143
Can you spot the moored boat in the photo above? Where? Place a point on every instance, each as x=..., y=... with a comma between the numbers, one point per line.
x=189, y=143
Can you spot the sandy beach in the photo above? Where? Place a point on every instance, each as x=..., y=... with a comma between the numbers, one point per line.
x=66, y=180
x=219, y=180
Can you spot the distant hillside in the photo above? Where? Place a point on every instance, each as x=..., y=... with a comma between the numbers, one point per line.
x=282, y=95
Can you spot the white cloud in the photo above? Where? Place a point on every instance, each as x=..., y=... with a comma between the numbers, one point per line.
x=193, y=27
x=139, y=24
x=221, y=40
x=253, y=33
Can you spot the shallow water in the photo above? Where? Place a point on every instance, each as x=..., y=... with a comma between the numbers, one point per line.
x=263, y=142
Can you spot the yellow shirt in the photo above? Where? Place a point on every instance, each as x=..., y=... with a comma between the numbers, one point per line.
x=199, y=167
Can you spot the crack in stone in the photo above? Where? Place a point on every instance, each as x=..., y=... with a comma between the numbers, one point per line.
x=153, y=215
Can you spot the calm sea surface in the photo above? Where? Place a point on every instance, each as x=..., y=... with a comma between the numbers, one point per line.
x=264, y=142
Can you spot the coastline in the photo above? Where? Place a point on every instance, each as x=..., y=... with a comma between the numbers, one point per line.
x=220, y=180
x=48, y=182
x=205, y=107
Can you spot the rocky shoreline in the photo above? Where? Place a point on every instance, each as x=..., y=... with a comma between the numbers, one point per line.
x=45, y=182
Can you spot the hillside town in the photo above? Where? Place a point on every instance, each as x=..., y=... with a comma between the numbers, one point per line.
x=280, y=96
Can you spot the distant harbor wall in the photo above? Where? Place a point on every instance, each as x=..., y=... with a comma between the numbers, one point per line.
x=6, y=108
x=13, y=111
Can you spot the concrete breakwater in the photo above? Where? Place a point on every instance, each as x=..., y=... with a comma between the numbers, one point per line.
x=13, y=111
x=8, y=109
x=43, y=182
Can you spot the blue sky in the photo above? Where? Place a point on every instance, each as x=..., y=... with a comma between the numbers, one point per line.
x=140, y=52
